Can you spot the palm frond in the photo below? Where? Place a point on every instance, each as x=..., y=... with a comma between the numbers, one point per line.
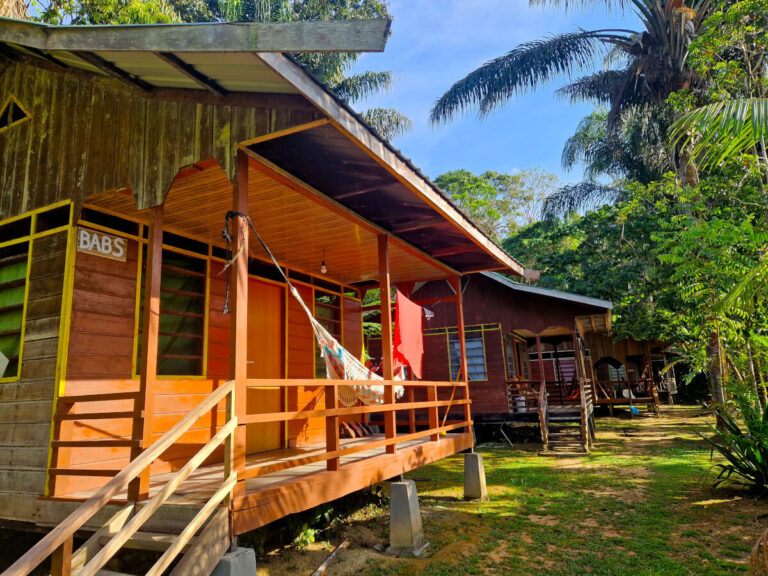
x=525, y=68
x=750, y=286
x=567, y=5
x=582, y=196
x=601, y=87
x=359, y=86
x=722, y=130
x=388, y=122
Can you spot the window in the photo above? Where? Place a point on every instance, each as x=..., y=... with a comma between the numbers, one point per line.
x=12, y=113
x=13, y=282
x=182, y=315
x=328, y=314
x=475, y=354
x=510, y=351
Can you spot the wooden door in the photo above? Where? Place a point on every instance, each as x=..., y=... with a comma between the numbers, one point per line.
x=266, y=359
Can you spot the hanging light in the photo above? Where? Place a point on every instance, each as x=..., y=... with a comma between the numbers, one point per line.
x=323, y=267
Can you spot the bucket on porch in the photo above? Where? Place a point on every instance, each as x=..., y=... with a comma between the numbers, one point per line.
x=520, y=404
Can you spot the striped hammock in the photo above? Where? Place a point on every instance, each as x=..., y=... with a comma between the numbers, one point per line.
x=340, y=364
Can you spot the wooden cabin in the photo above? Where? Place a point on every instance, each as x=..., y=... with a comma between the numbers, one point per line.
x=158, y=374
x=525, y=357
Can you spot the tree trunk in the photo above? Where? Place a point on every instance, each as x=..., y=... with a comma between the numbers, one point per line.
x=753, y=373
x=714, y=369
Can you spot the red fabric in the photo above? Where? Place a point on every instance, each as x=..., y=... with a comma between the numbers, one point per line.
x=409, y=341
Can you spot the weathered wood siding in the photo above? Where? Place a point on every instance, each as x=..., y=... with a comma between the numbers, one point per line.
x=89, y=133
x=26, y=405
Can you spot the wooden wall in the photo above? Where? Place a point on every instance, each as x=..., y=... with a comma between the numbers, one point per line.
x=26, y=405
x=88, y=133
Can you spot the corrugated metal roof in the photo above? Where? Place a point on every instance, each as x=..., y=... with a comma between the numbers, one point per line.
x=549, y=293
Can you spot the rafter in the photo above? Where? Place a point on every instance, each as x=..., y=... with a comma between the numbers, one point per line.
x=110, y=69
x=191, y=72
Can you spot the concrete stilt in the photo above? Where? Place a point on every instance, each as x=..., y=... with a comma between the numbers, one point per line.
x=406, y=535
x=241, y=562
x=474, y=477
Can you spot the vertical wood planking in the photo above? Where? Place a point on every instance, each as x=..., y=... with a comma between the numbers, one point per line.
x=390, y=424
x=139, y=488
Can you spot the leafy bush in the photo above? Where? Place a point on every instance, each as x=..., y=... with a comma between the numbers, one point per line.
x=745, y=450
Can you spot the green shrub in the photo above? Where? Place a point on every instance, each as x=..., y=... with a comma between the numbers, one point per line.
x=745, y=450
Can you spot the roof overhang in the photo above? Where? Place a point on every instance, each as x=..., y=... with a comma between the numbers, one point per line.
x=309, y=36
x=386, y=179
x=549, y=293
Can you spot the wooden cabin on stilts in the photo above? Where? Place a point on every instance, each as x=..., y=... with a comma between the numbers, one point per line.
x=159, y=374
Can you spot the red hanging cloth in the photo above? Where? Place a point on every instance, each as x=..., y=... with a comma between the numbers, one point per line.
x=409, y=341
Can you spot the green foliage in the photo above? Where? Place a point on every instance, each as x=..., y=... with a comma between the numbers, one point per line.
x=746, y=451
x=499, y=203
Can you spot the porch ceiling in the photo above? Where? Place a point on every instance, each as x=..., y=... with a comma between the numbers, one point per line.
x=295, y=227
x=328, y=160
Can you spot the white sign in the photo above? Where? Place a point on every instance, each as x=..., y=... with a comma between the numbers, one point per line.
x=100, y=244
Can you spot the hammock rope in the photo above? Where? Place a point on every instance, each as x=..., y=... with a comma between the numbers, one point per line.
x=339, y=362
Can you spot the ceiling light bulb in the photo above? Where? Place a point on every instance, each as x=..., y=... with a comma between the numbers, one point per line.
x=323, y=267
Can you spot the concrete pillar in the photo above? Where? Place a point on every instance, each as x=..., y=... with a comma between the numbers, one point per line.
x=241, y=562
x=474, y=477
x=406, y=535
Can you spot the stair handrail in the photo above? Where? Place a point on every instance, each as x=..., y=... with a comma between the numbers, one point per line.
x=77, y=519
x=586, y=405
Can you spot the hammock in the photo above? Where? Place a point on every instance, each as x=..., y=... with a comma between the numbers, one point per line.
x=340, y=364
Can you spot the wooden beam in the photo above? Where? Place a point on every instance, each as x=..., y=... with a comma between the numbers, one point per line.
x=387, y=361
x=239, y=319
x=286, y=132
x=273, y=171
x=111, y=70
x=454, y=251
x=415, y=225
x=191, y=72
x=332, y=442
x=361, y=191
x=542, y=376
x=372, y=145
x=138, y=489
x=306, y=36
x=455, y=283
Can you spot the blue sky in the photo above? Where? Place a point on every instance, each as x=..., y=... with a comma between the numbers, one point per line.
x=436, y=42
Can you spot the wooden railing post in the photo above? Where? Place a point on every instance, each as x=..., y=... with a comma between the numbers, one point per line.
x=332, y=443
x=61, y=559
x=390, y=418
x=239, y=321
x=411, y=413
x=144, y=405
x=455, y=283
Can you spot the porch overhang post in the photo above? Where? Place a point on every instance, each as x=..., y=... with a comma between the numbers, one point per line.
x=542, y=376
x=390, y=422
x=238, y=356
x=578, y=359
x=455, y=283
x=144, y=407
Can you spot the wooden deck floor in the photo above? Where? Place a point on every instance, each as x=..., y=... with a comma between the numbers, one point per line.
x=277, y=494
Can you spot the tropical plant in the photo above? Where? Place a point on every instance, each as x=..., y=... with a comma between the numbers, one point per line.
x=640, y=69
x=746, y=451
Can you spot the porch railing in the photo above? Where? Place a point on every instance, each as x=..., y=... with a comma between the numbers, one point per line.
x=587, y=410
x=332, y=413
x=93, y=555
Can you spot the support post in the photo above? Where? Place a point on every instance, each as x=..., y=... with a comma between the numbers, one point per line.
x=542, y=376
x=239, y=320
x=144, y=407
x=406, y=534
x=390, y=422
x=455, y=283
x=332, y=443
x=61, y=559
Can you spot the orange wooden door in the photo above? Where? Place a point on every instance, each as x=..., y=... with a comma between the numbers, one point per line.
x=266, y=359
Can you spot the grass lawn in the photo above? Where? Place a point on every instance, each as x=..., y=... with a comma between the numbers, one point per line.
x=640, y=503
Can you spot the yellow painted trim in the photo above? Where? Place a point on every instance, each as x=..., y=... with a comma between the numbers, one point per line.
x=107, y=229
x=26, y=302
x=137, y=308
x=64, y=334
x=30, y=236
x=206, y=311
x=35, y=211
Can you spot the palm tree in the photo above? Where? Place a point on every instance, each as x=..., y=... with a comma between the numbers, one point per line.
x=640, y=70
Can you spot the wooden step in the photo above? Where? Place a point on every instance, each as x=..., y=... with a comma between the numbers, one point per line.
x=153, y=541
x=565, y=419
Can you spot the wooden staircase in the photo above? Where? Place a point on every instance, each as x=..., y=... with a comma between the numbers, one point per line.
x=569, y=428
x=203, y=540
